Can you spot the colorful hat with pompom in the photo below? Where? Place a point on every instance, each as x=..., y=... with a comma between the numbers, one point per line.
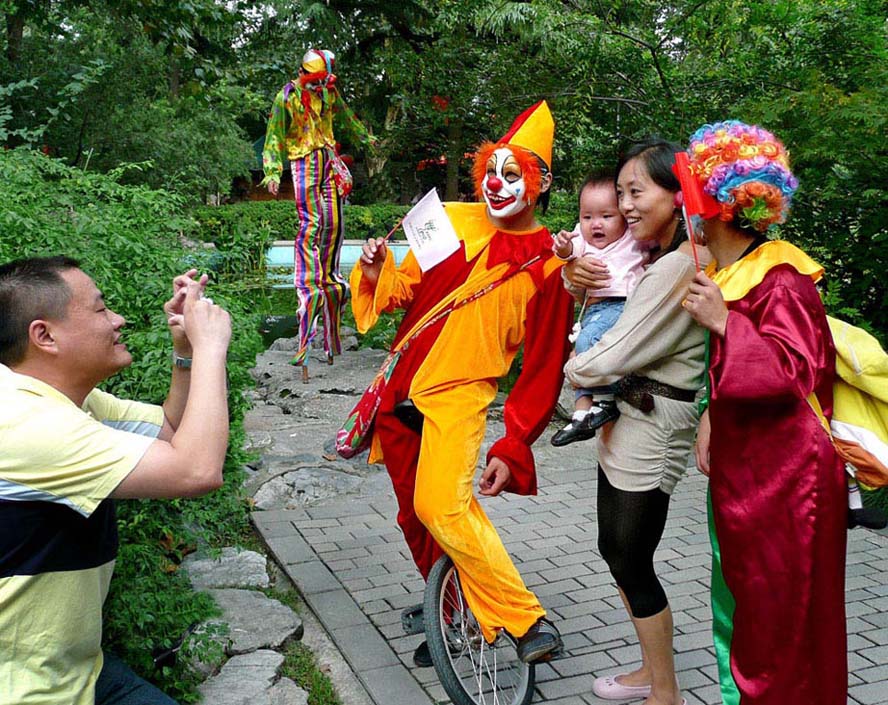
x=745, y=169
x=318, y=60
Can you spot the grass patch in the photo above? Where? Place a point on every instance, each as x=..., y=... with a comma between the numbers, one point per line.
x=300, y=664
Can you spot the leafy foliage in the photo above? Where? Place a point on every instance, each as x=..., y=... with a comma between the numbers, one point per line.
x=127, y=239
x=182, y=89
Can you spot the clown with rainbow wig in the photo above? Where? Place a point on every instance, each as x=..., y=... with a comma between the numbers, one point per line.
x=300, y=129
x=777, y=488
x=505, y=272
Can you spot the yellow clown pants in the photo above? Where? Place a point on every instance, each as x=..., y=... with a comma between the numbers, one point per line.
x=445, y=503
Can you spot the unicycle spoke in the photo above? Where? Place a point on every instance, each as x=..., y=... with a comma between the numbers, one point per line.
x=472, y=671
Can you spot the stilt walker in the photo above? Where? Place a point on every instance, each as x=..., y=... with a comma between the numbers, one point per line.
x=300, y=128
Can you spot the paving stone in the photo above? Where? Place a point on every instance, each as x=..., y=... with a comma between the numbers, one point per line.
x=394, y=684
x=336, y=609
x=243, y=680
x=242, y=610
x=869, y=693
x=232, y=568
x=364, y=647
x=290, y=549
x=312, y=576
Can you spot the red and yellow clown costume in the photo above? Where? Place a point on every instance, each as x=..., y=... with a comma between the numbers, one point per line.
x=300, y=129
x=450, y=370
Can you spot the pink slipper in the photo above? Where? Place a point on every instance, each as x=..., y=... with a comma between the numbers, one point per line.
x=609, y=688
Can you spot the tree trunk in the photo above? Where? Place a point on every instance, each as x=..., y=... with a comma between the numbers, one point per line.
x=175, y=77
x=15, y=30
x=454, y=156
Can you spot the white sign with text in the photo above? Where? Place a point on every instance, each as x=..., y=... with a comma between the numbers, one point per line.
x=429, y=231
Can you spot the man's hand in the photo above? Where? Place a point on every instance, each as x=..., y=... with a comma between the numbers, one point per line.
x=186, y=459
x=563, y=244
x=373, y=254
x=701, y=447
x=175, y=307
x=706, y=304
x=495, y=478
x=273, y=188
x=587, y=273
x=207, y=326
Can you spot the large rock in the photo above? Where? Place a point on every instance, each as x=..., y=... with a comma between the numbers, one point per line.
x=244, y=680
x=234, y=568
x=290, y=345
x=306, y=485
x=255, y=621
x=286, y=692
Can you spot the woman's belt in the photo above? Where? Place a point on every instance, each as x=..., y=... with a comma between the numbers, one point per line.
x=640, y=392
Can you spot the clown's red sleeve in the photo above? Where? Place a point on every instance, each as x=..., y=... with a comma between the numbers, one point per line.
x=775, y=353
x=531, y=402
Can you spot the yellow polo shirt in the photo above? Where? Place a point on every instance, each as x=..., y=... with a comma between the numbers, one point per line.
x=58, y=532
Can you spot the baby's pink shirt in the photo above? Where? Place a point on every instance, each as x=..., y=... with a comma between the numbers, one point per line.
x=624, y=258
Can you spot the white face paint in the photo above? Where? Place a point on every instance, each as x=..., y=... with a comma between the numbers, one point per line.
x=503, y=186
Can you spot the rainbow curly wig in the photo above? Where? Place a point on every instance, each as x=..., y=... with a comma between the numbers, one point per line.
x=746, y=169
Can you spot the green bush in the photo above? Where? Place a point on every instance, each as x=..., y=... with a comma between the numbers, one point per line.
x=128, y=239
x=563, y=212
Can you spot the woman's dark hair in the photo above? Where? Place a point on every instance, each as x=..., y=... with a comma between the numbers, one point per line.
x=658, y=156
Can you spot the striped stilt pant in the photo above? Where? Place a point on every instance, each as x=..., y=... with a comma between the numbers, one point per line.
x=320, y=288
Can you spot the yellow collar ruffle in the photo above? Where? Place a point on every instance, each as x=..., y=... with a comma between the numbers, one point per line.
x=745, y=274
x=474, y=227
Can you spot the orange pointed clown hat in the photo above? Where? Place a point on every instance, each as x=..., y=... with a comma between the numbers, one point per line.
x=534, y=129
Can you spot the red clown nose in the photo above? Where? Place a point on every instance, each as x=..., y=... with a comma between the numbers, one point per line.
x=494, y=183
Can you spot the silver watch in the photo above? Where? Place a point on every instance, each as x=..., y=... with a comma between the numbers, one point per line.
x=183, y=363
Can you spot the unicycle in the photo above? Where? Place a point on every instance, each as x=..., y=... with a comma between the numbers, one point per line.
x=472, y=671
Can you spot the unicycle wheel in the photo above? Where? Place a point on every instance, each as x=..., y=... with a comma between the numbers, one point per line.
x=471, y=671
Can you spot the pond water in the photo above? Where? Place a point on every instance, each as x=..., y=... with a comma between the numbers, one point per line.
x=274, y=327
x=279, y=259
x=279, y=265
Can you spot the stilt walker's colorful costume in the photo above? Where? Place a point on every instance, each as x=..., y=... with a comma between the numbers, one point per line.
x=450, y=372
x=300, y=128
x=778, y=490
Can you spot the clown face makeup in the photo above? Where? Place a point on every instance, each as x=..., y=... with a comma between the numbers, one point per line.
x=504, y=187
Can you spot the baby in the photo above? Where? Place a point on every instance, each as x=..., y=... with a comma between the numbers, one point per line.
x=601, y=233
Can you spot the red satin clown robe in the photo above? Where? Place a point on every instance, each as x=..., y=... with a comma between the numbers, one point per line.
x=778, y=489
x=450, y=373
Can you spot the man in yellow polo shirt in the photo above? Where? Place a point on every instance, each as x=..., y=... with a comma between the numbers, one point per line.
x=68, y=449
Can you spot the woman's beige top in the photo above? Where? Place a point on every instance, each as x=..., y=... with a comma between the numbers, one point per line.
x=655, y=338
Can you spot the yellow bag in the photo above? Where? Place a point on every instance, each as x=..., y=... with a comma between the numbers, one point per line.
x=860, y=402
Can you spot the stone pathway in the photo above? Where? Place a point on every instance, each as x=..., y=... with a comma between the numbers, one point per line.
x=330, y=524
x=250, y=675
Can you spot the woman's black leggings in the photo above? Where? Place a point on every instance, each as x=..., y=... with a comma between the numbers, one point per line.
x=630, y=525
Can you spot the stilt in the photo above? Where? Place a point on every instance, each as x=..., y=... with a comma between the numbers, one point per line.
x=329, y=358
x=304, y=373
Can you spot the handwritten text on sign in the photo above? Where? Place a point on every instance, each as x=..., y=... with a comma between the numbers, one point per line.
x=429, y=231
